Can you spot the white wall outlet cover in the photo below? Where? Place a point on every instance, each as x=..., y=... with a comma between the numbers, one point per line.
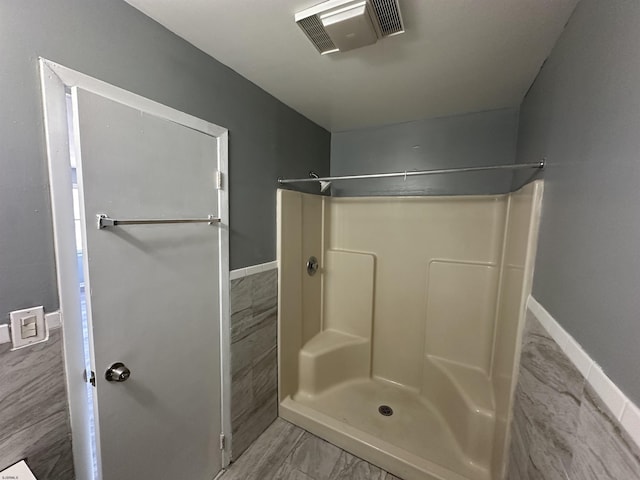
x=19, y=471
x=28, y=326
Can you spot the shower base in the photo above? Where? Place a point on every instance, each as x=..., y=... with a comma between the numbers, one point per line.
x=413, y=443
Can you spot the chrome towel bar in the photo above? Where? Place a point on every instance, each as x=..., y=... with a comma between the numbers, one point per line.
x=104, y=221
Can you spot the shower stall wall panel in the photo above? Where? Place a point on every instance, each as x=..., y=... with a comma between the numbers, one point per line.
x=521, y=238
x=417, y=306
x=413, y=238
x=300, y=235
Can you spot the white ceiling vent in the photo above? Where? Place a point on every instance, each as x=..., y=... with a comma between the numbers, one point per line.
x=341, y=25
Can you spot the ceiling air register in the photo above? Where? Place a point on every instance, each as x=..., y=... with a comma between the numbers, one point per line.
x=341, y=25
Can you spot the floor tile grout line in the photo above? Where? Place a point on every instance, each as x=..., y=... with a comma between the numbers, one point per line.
x=266, y=453
x=285, y=456
x=288, y=452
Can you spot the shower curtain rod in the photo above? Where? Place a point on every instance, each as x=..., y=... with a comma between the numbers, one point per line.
x=415, y=173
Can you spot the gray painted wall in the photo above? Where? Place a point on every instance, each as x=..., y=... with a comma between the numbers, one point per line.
x=112, y=41
x=583, y=114
x=485, y=138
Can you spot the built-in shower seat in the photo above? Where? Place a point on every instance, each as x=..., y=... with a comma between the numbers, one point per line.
x=464, y=397
x=330, y=358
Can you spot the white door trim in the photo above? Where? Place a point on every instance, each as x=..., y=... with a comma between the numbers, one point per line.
x=55, y=80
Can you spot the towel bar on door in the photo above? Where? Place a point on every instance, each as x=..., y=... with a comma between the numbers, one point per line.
x=104, y=221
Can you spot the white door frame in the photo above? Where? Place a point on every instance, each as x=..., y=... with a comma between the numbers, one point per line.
x=55, y=81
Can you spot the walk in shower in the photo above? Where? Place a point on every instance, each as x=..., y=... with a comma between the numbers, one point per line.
x=401, y=346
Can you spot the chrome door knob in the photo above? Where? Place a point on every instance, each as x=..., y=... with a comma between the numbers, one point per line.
x=117, y=372
x=312, y=266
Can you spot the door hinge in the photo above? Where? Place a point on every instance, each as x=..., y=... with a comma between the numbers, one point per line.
x=223, y=441
x=219, y=180
x=91, y=378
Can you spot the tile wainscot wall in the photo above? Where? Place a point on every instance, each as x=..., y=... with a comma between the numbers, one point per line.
x=569, y=420
x=34, y=413
x=254, y=355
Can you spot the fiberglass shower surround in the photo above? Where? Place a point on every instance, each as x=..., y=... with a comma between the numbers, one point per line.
x=402, y=348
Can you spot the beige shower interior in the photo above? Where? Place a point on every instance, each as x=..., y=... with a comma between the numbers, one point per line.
x=418, y=304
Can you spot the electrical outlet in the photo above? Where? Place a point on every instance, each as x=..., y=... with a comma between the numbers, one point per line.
x=28, y=326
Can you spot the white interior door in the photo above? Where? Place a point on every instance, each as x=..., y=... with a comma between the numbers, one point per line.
x=153, y=291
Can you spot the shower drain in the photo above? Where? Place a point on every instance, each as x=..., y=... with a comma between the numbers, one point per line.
x=385, y=410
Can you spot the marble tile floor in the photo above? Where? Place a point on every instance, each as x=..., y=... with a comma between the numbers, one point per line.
x=287, y=452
